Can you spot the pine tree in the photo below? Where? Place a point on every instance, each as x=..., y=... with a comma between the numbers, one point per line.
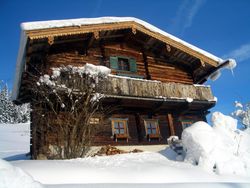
x=9, y=112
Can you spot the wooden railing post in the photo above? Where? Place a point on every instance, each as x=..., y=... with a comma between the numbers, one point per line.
x=171, y=124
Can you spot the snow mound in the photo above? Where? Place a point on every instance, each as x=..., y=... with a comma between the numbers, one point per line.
x=221, y=148
x=14, y=177
x=221, y=121
x=199, y=141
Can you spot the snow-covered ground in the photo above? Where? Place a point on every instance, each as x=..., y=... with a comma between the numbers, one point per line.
x=14, y=141
x=146, y=169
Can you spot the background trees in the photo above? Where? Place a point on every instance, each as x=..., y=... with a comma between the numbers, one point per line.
x=9, y=112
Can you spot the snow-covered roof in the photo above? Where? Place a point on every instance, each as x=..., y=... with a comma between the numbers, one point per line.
x=30, y=26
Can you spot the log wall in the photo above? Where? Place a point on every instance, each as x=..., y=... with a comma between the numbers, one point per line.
x=157, y=68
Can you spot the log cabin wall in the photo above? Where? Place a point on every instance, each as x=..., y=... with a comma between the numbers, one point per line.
x=103, y=135
x=154, y=68
x=104, y=131
x=159, y=70
x=44, y=137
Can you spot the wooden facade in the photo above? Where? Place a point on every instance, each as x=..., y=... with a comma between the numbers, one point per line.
x=156, y=95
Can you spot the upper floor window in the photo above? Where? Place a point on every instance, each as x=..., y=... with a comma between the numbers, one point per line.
x=152, y=128
x=121, y=63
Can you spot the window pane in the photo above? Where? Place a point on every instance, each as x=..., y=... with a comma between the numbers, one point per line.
x=116, y=131
x=121, y=124
x=123, y=64
x=149, y=131
x=116, y=125
x=153, y=131
x=122, y=131
x=149, y=125
x=119, y=127
x=153, y=125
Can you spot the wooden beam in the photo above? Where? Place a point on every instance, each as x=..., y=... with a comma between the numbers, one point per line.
x=170, y=121
x=134, y=30
x=103, y=55
x=148, y=76
x=138, y=126
x=96, y=34
x=51, y=40
x=204, y=77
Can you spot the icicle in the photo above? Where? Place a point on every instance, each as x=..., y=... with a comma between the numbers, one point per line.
x=231, y=65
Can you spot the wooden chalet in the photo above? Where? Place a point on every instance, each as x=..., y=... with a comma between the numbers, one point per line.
x=157, y=79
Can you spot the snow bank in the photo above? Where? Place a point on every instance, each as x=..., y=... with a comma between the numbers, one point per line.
x=145, y=167
x=14, y=177
x=221, y=148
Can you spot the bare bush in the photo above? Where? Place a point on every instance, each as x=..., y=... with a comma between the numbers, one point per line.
x=63, y=105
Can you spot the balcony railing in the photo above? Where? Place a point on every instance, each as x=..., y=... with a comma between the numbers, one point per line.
x=123, y=86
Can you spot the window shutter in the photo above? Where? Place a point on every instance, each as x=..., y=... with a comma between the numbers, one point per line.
x=113, y=61
x=132, y=65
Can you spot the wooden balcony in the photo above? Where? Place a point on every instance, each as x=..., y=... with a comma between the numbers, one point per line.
x=130, y=87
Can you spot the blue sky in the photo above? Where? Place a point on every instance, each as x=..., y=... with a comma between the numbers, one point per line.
x=220, y=27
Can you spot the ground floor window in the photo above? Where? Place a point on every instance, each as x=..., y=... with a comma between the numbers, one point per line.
x=152, y=129
x=119, y=128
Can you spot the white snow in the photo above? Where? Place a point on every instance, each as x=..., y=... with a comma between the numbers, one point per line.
x=46, y=80
x=147, y=169
x=238, y=104
x=221, y=148
x=14, y=141
x=230, y=65
x=93, y=71
x=87, y=21
x=14, y=177
x=189, y=100
x=131, y=78
x=89, y=69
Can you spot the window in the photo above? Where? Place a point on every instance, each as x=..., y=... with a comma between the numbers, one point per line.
x=119, y=129
x=123, y=64
x=186, y=124
x=152, y=129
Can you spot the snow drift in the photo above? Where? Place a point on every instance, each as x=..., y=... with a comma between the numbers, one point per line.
x=221, y=148
x=14, y=177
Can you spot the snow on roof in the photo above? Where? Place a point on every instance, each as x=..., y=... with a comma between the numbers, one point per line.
x=86, y=21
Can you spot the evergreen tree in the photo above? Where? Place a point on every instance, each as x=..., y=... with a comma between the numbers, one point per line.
x=9, y=112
